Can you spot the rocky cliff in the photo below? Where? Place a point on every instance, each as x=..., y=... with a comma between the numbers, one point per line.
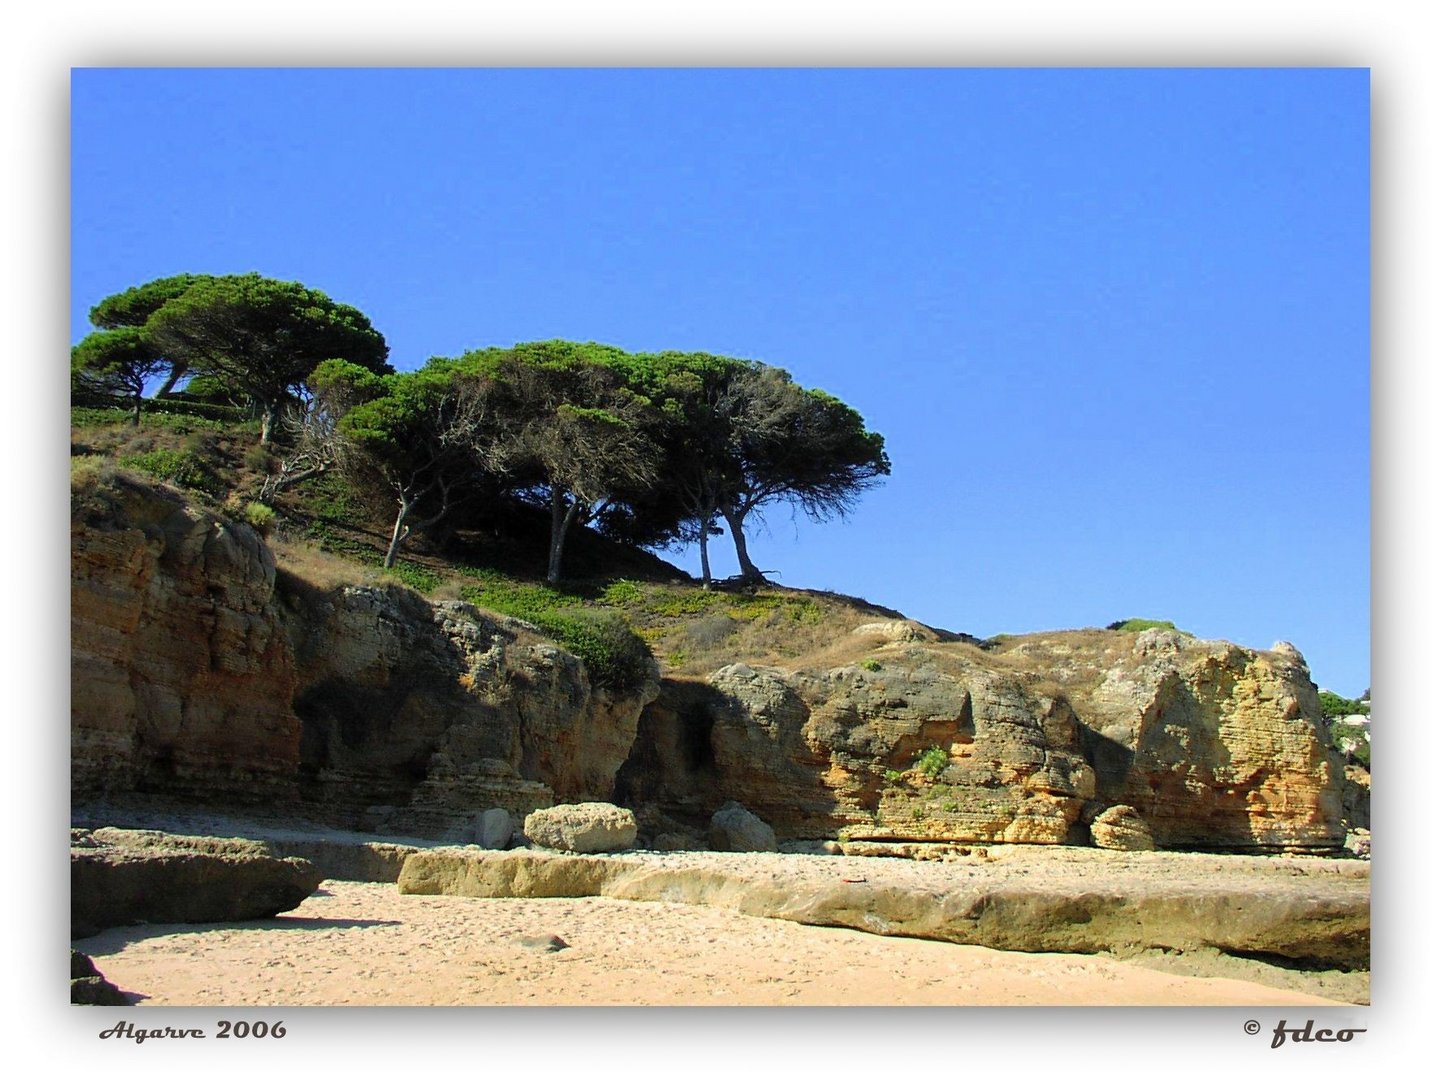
x=1209, y=745
x=203, y=672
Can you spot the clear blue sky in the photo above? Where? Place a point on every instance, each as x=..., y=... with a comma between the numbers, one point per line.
x=1114, y=324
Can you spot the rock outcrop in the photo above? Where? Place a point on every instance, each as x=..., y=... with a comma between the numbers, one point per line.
x=200, y=671
x=1097, y=901
x=1212, y=746
x=181, y=669
x=120, y=877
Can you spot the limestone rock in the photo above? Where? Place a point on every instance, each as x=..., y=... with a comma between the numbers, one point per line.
x=1024, y=741
x=117, y=882
x=1120, y=828
x=203, y=672
x=1119, y=902
x=582, y=827
x=493, y=829
x=734, y=828
x=897, y=630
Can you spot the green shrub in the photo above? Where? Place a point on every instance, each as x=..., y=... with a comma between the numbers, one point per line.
x=260, y=517
x=621, y=593
x=179, y=467
x=933, y=762
x=1132, y=626
x=614, y=655
x=894, y=775
x=870, y=663
x=1334, y=705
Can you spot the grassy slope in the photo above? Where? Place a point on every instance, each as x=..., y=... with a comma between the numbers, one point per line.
x=324, y=534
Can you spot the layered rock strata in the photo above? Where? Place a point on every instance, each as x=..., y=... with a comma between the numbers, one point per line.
x=199, y=671
x=1207, y=745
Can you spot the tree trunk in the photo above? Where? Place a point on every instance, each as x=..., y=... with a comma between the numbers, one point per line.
x=135, y=415
x=269, y=414
x=749, y=572
x=561, y=517
x=169, y=384
x=704, y=555
x=399, y=533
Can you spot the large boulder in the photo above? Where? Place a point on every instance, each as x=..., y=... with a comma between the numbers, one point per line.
x=585, y=828
x=118, y=878
x=734, y=828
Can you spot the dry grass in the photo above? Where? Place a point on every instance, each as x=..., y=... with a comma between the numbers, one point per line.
x=321, y=570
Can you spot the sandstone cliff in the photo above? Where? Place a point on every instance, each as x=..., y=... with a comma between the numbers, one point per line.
x=200, y=672
x=203, y=672
x=1213, y=746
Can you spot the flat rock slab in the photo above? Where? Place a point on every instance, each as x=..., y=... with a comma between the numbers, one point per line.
x=1309, y=910
x=119, y=877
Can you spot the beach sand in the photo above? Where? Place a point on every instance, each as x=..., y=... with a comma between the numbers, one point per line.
x=367, y=944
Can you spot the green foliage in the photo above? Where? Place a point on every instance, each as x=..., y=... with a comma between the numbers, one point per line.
x=524, y=600
x=1352, y=740
x=418, y=577
x=260, y=517
x=682, y=603
x=894, y=775
x=870, y=663
x=932, y=762
x=1334, y=705
x=621, y=593
x=179, y=467
x=134, y=306
x=117, y=361
x=1131, y=626
x=260, y=338
x=614, y=655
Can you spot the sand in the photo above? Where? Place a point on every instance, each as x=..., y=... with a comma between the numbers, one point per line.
x=366, y=944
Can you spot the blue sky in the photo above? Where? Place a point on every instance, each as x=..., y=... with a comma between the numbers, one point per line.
x=1114, y=324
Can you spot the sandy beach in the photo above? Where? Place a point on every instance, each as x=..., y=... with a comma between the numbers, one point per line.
x=366, y=944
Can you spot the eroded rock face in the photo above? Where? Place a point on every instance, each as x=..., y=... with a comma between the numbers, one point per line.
x=201, y=672
x=1212, y=746
x=181, y=671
